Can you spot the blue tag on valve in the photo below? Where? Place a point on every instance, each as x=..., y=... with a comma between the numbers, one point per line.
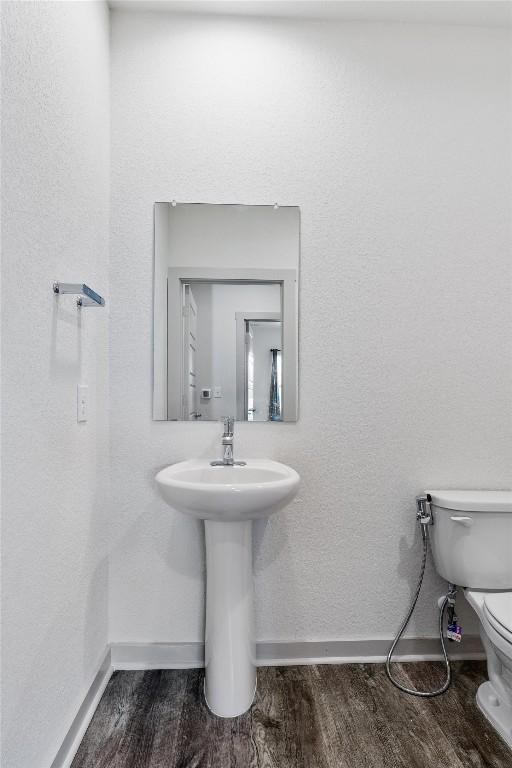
x=454, y=632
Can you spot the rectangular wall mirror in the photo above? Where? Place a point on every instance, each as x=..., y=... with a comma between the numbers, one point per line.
x=226, y=281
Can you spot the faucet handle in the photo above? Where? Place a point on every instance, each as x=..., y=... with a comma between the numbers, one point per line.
x=229, y=425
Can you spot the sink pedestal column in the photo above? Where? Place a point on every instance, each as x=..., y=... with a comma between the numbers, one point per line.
x=230, y=652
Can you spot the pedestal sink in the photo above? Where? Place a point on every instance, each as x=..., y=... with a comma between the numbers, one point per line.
x=228, y=499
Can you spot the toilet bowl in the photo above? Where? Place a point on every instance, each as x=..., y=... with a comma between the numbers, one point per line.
x=471, y=540
x=494, y=697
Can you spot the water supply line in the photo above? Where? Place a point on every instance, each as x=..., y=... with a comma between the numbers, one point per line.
x=425, y=519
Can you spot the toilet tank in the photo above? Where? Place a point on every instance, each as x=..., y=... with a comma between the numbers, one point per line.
x=471, y=537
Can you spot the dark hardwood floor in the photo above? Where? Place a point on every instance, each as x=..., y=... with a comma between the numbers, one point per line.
x=324, y=716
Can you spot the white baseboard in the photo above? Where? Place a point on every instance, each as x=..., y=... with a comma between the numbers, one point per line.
x=75, y=734
x=363, y=651
x=157, y=655
x=191, y=655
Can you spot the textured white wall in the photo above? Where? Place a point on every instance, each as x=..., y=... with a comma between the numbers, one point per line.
x=55, y=198
x=395, y=142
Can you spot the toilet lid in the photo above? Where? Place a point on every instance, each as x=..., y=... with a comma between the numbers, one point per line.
x=499, y=606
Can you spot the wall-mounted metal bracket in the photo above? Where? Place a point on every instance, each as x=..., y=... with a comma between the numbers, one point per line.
x=424, y=510
x=86, y=296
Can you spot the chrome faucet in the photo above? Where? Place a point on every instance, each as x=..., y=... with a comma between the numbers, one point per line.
x=227, y=446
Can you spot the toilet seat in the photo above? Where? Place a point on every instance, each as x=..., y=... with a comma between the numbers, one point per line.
x=497, y=609
x=493, y=610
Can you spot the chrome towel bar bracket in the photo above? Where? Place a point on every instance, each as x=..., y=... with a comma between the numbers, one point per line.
x=86, y=296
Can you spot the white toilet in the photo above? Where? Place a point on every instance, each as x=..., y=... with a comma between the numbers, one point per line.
x=471, y=539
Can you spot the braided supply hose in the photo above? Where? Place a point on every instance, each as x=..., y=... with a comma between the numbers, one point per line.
x=442, y=609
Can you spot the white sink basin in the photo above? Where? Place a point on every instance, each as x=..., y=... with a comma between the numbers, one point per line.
x=228, y=493
x=228, y=498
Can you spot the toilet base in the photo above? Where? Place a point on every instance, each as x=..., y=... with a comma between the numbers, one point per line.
x=496, y=711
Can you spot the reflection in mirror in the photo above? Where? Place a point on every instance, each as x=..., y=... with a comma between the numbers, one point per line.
x=225, y=312
x=260, y=374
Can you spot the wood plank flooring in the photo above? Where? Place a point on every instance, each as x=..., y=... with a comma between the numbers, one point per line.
x=322, y=716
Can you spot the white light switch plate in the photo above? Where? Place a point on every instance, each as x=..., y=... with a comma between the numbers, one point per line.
x=82, y=402
x=217, y=391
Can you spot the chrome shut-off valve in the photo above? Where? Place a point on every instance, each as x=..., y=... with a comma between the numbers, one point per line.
x=423, y=510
